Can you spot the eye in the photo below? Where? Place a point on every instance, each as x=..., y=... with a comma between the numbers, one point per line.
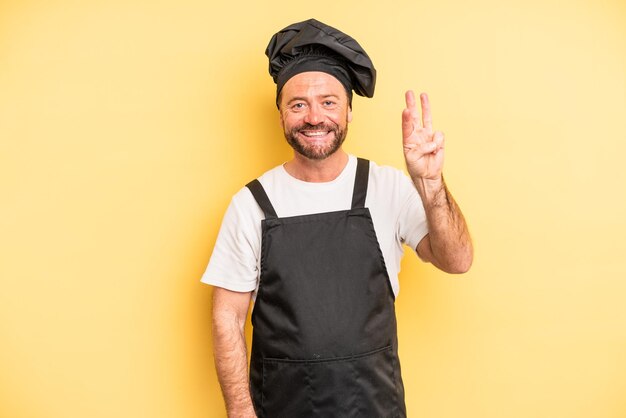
x=298, y=106
x=328, y=103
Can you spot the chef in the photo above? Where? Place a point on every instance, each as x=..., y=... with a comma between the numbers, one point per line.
x=316, y=243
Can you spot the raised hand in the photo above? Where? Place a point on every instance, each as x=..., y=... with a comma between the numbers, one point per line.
x=423, y=147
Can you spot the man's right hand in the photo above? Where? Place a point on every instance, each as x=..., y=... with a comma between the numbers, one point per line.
x=230, y=311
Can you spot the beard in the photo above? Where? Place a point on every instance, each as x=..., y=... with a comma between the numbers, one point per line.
x=316, y=152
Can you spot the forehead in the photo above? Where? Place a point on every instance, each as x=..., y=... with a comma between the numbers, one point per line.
x=312, y=84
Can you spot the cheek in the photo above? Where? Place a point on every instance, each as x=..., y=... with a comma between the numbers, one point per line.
x=286, y=119
x=341, y=118
x=289, y=120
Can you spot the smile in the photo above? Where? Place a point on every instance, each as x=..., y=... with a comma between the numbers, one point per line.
x=314, y=134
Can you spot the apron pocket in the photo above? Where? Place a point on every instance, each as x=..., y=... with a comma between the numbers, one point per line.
x=355, y=386
x=286, y=389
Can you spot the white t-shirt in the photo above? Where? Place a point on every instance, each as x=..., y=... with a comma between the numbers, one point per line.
x=396, y=208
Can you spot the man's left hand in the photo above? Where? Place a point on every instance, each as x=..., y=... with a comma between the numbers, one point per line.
x=423, y=147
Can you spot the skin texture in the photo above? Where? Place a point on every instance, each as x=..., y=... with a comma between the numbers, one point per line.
x=314, y=114
x=230, y=311
x=448, y=244
x=304, y=124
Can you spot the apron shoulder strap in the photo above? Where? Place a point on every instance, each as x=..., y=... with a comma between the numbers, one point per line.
x=360, y=183
x=261, y=198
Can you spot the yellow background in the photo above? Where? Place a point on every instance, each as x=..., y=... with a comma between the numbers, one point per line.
x=126, y=126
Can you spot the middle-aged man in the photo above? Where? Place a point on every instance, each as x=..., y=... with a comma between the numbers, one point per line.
x=317, y=243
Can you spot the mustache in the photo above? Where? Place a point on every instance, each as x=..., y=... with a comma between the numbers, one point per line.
x=319, y=127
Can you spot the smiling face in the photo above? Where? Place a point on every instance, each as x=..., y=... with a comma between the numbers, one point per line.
x=314, y=114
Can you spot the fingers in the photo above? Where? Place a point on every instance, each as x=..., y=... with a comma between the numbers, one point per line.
x=423, y=127
x=438, y=140
x=411, y=105
x=421, y=149
x=427, y=121
x=432, y=146
x=409, y=97
x=407, y=123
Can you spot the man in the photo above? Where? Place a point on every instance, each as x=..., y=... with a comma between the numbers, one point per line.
x=317, y=243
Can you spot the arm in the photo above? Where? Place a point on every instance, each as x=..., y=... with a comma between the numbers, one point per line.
x=230, y=310
x=448, y=245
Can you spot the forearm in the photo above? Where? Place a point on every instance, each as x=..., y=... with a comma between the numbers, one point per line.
x=231, y=362
x=450, y=244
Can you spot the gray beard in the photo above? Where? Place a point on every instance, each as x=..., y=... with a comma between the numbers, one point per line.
x=316, y=152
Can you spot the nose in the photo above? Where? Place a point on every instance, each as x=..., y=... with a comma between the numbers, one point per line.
x=314, y=115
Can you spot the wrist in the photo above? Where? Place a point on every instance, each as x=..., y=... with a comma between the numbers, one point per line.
x=247, y=413
x=430, y=190
x=244, y=410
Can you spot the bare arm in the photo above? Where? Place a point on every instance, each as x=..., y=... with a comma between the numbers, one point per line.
x=448, y=244
x=230, y=310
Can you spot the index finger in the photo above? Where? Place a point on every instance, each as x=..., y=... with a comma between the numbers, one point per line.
x=412, y=106
x=427, y=120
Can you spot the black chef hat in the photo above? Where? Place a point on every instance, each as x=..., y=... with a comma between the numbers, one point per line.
x=314, y=46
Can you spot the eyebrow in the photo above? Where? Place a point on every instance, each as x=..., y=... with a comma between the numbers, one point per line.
x=304, y=99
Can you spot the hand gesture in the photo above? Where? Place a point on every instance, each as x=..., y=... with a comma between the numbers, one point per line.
x=423, y=147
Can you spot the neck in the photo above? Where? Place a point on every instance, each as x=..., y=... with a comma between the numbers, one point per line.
x=317, y=171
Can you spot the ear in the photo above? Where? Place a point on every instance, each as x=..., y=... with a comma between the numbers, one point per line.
x=349, y=117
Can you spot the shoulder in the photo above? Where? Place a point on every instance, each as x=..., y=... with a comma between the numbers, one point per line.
x=385, y=170
x=244, y=198
x=390, y=178
x=242, y=203
x=391, y=190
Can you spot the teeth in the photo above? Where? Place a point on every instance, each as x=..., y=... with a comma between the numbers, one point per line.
x=315, y=133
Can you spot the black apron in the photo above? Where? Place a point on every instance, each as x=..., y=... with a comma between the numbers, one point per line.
x=324, y=328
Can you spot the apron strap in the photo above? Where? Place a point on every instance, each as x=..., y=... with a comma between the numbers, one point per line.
x=358, y=195
x=261, y=198
x=360, y=183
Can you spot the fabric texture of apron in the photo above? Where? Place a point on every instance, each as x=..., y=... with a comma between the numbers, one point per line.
x=324, y=328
